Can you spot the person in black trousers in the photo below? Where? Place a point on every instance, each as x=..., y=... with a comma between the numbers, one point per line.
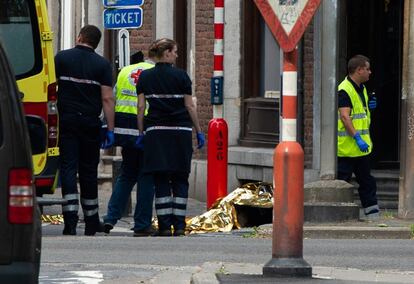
x=84, y=88
x=354, y=139
x=168, y=134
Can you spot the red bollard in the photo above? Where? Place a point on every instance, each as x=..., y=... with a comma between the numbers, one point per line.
x=216, y=160
x=287, y=247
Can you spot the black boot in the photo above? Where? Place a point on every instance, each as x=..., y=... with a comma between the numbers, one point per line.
x=71, y=222
x=69, y=230
x=92, y=228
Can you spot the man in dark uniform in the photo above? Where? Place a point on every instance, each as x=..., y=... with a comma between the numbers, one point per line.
x=84, y=88
x=354, y=140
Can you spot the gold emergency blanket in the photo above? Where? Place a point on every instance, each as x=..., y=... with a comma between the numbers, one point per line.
x=222, y=217
x=52, y=219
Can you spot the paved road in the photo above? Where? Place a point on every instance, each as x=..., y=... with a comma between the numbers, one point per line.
x=119, y=255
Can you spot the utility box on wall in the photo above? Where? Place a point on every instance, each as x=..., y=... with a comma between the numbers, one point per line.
x=217, y=90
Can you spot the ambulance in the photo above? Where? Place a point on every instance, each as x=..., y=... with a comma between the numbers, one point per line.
x=27, y=39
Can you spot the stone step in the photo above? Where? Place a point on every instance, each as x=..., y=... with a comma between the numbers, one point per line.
x=387, y=188
x=325, y=212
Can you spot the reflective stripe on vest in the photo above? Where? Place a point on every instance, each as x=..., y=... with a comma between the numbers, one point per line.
x=126, y=96
x=361, y=119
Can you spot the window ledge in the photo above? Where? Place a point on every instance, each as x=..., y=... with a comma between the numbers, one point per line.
x=250, y=156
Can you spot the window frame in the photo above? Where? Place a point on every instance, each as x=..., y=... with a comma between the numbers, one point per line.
x=38, y=62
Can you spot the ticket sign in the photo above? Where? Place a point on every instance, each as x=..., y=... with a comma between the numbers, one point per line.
x=287, y=19
x=127, y=18
x=120, y=3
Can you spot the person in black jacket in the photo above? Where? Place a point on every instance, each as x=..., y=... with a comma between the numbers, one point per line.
x=168, y=134
x=84, y=88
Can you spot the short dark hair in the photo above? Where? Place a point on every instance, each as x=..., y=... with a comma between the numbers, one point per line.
x=136, y=57
x=158, y=47
x=355, y=62
x=90, y=35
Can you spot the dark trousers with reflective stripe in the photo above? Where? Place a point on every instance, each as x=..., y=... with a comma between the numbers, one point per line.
x=360, y=166
x=171, y=193
x=79, y=153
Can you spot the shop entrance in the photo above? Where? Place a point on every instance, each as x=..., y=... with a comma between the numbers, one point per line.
x=374, y=28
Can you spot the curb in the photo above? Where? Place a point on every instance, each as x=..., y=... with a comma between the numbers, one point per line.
x=328, y=232
x=247, y=271
x=346, y=232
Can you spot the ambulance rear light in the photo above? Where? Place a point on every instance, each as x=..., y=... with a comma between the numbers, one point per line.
x=21, y=196
x=52, y=116
x=52, y=92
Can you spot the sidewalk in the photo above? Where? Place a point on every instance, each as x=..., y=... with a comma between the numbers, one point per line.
x=388, y=226
x=218, y=272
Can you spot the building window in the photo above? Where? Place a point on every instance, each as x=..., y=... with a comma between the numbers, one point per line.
x=261, y=81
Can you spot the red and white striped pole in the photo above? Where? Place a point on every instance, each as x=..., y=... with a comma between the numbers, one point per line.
x=288, y=179
x=289, y=93
x=218, y=71
x=218, y=37
x=217, y=147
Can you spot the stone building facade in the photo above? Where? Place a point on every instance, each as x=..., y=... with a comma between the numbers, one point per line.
x=252, y=68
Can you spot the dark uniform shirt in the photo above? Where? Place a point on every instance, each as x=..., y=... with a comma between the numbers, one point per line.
x=168, y=138
x=164, y=92
x=343, y=98
x=79, y=85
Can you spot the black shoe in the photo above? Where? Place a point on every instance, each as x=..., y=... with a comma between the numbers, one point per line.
x=163, y=233
x=69, y=230
x=179, y=233
x=144, y=232
x=91, y=230
x=108, y=227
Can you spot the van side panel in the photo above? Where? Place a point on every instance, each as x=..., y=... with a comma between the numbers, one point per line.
x=6, y=155
x=12, y=155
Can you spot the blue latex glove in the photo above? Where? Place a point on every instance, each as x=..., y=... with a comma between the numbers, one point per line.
x=201, y=140
x=102, y=133
x=372, y=103
x=109, y=140
x=139, y=143
x=363, y=146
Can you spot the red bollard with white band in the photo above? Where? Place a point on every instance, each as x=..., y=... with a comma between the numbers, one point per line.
x=288, y=159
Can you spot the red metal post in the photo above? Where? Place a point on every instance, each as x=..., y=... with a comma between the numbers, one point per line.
x=287, y=247
x=217, y=160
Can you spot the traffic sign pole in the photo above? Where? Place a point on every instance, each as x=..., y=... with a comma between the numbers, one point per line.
x=287, y=245
x=288, y=19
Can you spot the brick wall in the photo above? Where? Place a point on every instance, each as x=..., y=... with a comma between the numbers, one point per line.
x=204, y=25
x=204, y=63
x=140, y=39
x=308, y=95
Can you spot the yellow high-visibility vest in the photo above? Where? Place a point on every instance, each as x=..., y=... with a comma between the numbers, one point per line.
x=361, y=119
x=126, y=95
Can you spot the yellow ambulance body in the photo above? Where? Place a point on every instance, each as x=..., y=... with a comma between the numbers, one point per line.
x=28, y=40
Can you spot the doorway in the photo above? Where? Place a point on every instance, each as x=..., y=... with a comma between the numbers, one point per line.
x=374, y=28
x=180, y=32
